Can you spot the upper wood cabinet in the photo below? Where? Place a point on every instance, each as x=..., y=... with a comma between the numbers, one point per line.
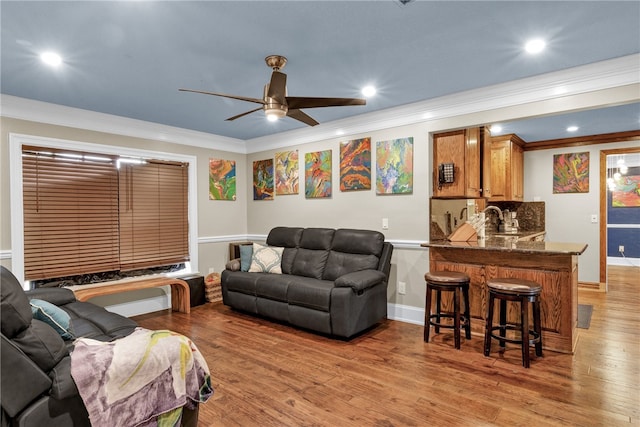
x=504, y=181
x=463, y=149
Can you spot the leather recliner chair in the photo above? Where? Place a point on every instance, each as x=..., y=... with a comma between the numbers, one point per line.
x=35, y=364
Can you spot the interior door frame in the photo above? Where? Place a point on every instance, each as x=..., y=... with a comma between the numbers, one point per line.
x=603, y=208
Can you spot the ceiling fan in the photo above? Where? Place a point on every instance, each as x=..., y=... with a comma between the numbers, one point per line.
x=275, y=102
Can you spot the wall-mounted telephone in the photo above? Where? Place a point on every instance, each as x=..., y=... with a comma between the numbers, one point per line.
x=445, y=173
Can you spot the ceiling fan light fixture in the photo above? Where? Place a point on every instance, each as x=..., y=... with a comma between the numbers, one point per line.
x=273, y=114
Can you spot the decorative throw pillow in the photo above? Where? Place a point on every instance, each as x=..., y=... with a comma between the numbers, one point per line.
x=266, y=259
x=53, y=316
x=246, y=253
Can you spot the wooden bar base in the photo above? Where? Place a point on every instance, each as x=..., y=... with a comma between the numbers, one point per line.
x=180, y=294
x=556, y=273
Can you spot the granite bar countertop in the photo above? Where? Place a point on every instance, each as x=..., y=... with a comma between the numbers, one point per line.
x=511, y=244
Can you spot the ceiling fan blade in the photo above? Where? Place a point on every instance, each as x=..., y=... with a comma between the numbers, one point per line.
x=241, y=98
x=303, y=117
x=296, y=102
x=278, y=87
x=243, y=114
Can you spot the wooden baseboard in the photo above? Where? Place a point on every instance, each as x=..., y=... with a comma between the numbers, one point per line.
x=592, y=286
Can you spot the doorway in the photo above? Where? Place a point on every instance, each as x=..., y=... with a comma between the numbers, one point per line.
x=604, y=193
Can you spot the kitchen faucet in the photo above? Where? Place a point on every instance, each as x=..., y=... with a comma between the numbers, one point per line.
x=500, y=216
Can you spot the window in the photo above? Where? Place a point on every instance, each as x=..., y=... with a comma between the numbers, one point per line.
x=154, y=228
x=89, y=213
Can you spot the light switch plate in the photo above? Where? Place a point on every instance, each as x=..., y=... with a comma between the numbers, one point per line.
x=385, y=223
x=594, y=218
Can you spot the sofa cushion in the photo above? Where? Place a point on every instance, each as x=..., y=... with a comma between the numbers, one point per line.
x=21, y=381
x=41, y=344
x=92, y=321
x=289, y=239
x=240, y=281
x=15, y=311
x=266, y=259
x=340, y=263
x=53, y=316
x=311, y=293
x=56, y=296
x=63, y=386
x=274, y=286
x=286, y=237
x=246, y=253
x=317, y=238
x=288, y=258
x=364, y=242
x=310, y=263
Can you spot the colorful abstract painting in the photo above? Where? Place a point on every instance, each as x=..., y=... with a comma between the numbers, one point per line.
x=287, y=173
x=394, y=166
x=222, y=179
x=263, y=179
x=317, y=174
x=355, y=165
x=571, y=173
x=627, y=192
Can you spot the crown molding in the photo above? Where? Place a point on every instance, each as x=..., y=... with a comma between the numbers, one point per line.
x=60, y=115
x=583, y=79
x=602, y=75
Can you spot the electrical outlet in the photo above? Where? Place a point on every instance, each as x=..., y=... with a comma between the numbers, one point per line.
x=620, y=248
x=402, y=288
x=212, y=270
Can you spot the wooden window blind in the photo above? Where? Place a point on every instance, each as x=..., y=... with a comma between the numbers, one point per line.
x=83, y=215
x=70, y=213
x=154, y=227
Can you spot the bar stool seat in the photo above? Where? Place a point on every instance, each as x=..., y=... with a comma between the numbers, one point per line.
x=524, y=292
x=447, y=281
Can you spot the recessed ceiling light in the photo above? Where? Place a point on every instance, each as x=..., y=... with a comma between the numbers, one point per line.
x=368, y=91
x=339, y=132
x=51, y=58
x=496, y=128
x=535, y=46
x=572, y=128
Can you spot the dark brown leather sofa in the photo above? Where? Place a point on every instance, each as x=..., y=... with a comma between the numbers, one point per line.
x=333, y=281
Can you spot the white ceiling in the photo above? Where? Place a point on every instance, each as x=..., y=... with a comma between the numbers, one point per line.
x=129, y=58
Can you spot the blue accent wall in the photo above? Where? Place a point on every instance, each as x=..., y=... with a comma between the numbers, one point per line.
x=620, y=234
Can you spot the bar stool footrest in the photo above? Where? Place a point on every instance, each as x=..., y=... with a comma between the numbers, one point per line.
x=532, y=341
x=463, y=321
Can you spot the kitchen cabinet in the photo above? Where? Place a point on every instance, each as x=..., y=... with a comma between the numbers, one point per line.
x=504, y=181
x=462, y=148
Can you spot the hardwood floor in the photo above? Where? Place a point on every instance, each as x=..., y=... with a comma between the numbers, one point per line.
x=267, y=374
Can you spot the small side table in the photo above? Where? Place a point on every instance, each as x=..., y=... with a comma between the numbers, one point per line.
x=212, y=289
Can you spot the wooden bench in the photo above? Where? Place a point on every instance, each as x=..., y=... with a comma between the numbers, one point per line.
x=180, y=295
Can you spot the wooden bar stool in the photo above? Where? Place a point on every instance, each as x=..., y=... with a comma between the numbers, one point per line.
x=447, y=281
x=523, y=292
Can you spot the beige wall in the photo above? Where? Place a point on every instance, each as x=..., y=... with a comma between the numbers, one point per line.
x=407, y=214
